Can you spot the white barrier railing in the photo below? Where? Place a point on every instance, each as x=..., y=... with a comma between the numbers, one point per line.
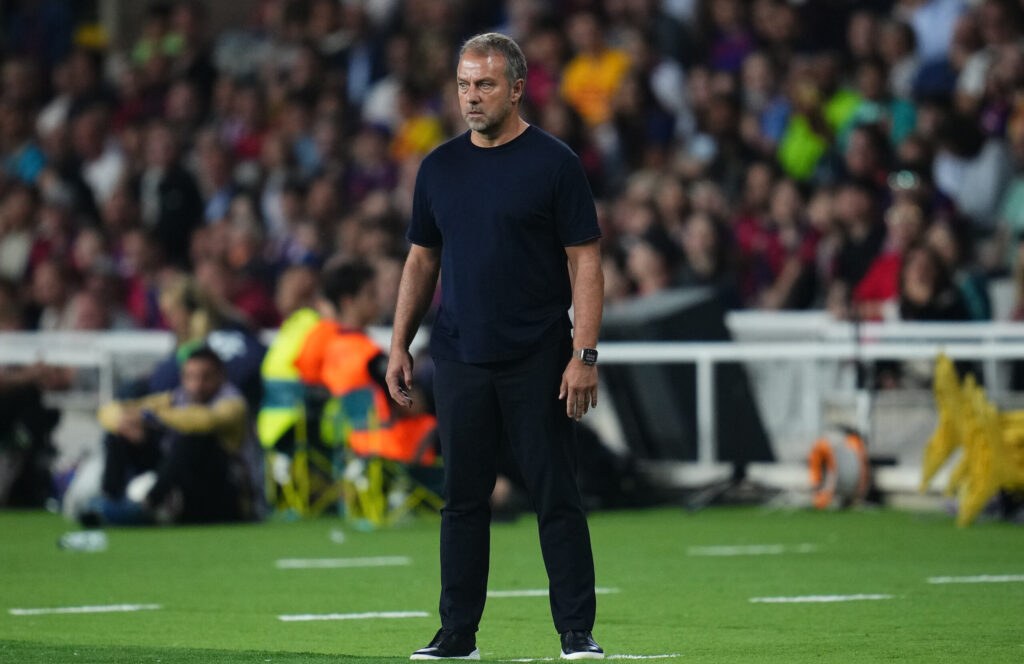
x=706, y=355
x=820, y=340
x=820, y=325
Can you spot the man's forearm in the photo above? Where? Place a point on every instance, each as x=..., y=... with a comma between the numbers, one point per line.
x=415, y=292
x=110, y=414
x=587, y=295
x=200, y=418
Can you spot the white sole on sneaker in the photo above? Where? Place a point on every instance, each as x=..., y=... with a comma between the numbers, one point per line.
x=473, y=655
x=583, y=655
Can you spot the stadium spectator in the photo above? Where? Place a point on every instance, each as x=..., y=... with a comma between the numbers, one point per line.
x=729, y=38
x=863, y=235
x=52, y=296
x=776, y=252
x=881, y=283
x=648, y=268
x=953, y=241
x=320, y=112
x=168, y=196
x=896, y=116
x=972, y=170
x=188, y=445
x=142, y=267
x=707, y=257
x=20, y=156
x=933, y=22
x=897, y=46
x=188, y=43
x=198, y=318
x=592, y=77
x=17, y=212
x=381, y=104
x=927, y=291
x=419, y=129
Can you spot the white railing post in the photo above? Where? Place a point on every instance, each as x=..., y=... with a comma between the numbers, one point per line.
x=106, y=384
x=990, y=370
x=812, y=407
x=707, y=442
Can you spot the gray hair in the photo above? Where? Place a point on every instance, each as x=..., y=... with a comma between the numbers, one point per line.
x=493, y=42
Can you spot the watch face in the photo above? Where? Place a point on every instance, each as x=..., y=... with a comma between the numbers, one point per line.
x=589, y=356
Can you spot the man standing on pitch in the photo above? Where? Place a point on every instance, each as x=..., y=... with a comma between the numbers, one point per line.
x=505, y=214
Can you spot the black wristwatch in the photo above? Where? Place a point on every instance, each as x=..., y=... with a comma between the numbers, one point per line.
x=587, y=355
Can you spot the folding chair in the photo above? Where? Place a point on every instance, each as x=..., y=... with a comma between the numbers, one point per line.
x=377, y=490
x=302, y=478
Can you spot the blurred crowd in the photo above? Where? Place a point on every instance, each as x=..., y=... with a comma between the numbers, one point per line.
x=862, y=156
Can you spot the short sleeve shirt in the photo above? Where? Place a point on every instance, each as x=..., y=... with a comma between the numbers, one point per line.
x=502, y=217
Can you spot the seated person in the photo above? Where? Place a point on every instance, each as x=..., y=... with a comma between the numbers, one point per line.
x=26, y=426
x=191, y=441
x=338, y=355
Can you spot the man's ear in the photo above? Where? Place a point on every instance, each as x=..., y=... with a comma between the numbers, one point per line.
x=517, y=89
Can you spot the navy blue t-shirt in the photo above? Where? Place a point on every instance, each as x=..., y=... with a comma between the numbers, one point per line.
x=502, y=217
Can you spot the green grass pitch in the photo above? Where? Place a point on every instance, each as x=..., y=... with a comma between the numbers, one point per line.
x=221, y=593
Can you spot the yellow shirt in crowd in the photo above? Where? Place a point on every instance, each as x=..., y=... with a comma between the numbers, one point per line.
x=590, y=81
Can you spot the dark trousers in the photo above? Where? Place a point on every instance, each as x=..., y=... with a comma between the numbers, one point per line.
x=126, y=459
x=195, y=465
x=481, y=407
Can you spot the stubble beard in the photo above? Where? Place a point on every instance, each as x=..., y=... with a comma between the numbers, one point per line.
x=489, y=124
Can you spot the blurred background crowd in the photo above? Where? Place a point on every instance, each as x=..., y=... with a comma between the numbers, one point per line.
x=861, y=156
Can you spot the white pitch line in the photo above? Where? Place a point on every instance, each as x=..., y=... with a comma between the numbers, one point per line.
x=669, y=656
x=525, y=660
x=307, y=617
x=338, y=563
x=751, y=550
x=542, y=592
x=816, y=598
x=980, y=578
x=109, y=608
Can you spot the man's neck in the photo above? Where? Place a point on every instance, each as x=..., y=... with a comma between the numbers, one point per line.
x=508, y=131
x=350, y=322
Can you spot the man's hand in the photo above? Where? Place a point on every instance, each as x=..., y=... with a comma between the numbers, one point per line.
x=132, y=426
x=399, y=376
x=579, y=388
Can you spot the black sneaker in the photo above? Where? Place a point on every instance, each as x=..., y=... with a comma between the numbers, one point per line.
x=580, y=644
x=449, y=645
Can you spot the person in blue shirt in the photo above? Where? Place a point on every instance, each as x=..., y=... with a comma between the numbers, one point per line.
x=505, y=215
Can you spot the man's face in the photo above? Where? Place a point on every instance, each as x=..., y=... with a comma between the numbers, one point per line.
x=485, y=97
x=201, y=379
